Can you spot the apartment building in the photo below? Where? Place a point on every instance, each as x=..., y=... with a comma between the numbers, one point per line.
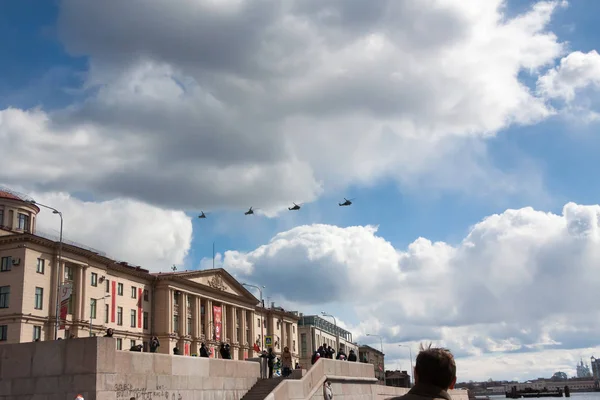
x=314, y=331
x=373, y=356
x=183, y=309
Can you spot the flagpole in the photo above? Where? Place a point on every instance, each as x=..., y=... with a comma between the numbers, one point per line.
x=213, y=255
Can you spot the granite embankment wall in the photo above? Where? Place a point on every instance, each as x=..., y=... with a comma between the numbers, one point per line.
x=59, y=370
x=349, y=381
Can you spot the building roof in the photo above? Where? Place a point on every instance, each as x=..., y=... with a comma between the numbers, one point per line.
x=6, y=193
x=366, y=347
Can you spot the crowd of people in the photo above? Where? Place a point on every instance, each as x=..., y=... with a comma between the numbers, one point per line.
x=326, y=351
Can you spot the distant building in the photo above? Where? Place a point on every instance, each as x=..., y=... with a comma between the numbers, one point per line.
x=398, y=379
x=583, y=371
x=595, y=367
x=314, y=331
x=373, y=356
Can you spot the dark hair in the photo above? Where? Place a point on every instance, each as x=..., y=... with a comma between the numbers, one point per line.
x=435, y=366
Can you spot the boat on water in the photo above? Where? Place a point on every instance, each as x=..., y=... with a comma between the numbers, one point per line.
x=528, y=393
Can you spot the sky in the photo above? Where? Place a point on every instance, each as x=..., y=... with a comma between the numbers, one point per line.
x=464, y=131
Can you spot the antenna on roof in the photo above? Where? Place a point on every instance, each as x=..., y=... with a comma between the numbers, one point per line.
x=174, y=268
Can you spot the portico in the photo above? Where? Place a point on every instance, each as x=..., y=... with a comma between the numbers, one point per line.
x=207, y=306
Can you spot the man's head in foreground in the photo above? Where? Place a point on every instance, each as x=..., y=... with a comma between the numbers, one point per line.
x=435, y=367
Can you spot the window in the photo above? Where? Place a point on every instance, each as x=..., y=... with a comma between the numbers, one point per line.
x=1, y=217
x=293, y=345
x=145, y=317
x=37, y=333
x=41, y=264
x=175, y=323
x=258, y=322
x=39, y=298
x=6, y=264
x=3, y=333
x=146, y=295
x=106, y=313
x=119, y=344
x=120, y=289
x=68, y=273
x=93, y=308
x=133, y=319
x=131, y=343
x=4, y=296
x=278, y=324
x=189, y=326
x=293, y=328
x=23, y=222
x=176, y=298
x=94, y=279
x=107, y=286
x=133, y=292
x=188, y=302
x=119, y=316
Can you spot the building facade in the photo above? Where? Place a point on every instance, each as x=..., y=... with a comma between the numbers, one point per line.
x=314, y=331
x=373, y=356
x=398, y=379
x=183, y=309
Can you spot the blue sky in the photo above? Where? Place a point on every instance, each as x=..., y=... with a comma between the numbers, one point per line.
x=546, y=163
x=41, y=72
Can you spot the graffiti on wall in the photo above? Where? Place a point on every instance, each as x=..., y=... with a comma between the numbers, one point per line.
x=126, y=391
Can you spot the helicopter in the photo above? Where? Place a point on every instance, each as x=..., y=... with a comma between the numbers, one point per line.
x=249, y=212
x=296, y=207
x=346, y=202
x=202, y=215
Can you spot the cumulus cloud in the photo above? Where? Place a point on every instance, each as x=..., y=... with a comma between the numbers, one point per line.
x=576, y=71
x=127, y=230
x=226, y=104
x=518, y=282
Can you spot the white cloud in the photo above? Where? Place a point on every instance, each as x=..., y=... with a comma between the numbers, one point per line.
x=575, y=72
x=523, y=281
x=126, y=230
x=216, y=105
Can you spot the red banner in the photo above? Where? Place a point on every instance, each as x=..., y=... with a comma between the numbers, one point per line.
x=64, y=309
x=186, y=349
x=140, y=308
x=66, y=290
x=217, y=313
x=113, y=302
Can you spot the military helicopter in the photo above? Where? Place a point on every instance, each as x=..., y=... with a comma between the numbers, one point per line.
x=202, y=215
x=296, y=207
x=249, y=212
x=346, y=202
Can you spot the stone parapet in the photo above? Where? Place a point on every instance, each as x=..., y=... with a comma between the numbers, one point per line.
x=58, y=370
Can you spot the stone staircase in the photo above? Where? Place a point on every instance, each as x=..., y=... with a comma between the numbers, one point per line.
x=262, y=388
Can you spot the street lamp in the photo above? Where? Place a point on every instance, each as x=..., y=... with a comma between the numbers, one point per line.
x=58, y=283
x=95, y=305
x=382, y=355
x=412, y=371
x=337, y=336
x=262, y=317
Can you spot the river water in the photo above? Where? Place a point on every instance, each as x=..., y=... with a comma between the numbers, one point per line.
x=574, y=396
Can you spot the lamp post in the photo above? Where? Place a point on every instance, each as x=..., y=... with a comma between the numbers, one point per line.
x=58, y=280
x=95, y=305
x=337, y=336
x=410, y=377
x=262, y=316
x=382, y=355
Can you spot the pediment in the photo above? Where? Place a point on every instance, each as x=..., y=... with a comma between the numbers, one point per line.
x=220, y=281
